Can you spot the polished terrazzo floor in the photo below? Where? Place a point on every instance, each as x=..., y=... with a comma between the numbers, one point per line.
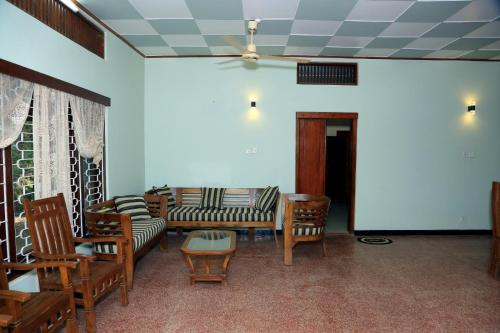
x=416, y=284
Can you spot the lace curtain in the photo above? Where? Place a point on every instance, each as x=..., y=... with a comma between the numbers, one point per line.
x=88, y=118
x=15, y=98
x=51, y=144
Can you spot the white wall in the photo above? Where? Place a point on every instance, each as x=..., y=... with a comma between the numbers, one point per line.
x=30, y=43
x=413, y=130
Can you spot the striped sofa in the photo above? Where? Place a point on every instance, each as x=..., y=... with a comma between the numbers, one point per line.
x=238, y=210
x=142, y=232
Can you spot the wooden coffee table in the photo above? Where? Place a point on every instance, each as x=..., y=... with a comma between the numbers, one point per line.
x=207, y=254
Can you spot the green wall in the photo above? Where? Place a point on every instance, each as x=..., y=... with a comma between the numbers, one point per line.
x=413, y=131
x=27, y=42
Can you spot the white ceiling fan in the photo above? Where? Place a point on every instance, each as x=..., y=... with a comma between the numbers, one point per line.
x=249, y=52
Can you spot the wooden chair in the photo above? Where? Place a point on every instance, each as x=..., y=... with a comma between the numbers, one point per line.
x=52, y=238
x=304, y=220
x=495, y=247
x=46, y=311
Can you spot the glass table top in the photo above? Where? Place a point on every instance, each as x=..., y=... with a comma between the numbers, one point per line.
x=209, y=240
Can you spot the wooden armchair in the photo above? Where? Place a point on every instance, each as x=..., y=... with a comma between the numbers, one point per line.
x=53, y=240
x=304, y=220
x=46, y=311
x=495, y=246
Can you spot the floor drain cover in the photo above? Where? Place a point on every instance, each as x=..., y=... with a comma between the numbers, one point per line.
x=375, y=240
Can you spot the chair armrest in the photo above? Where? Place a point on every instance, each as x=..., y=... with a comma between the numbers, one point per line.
x=115, y=224
x=5, y=320
x=75, y=256
x=39, y=265
x=13, y=295
x=157, y=205
x=99, y=239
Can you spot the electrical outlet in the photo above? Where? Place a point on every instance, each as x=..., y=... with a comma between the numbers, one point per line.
x=252, y=150
x=469, y=154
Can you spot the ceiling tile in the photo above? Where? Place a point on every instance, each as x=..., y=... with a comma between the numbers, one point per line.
x=481, y=55
x=192, y=50
x=491, y=29
x=297, y=50
x=175, y=26
x=449, y=54
x=431, y=11
x=157, y=50
x=478, y=10
x=222, y=27
x=375, y=52
x=216, y=9
x=218, y=40
x=111, y=9
x=145, y=40
x=161, y=8
x=492, y=46
x=389, y=43
x=310, y=27
x=453, y=29
x=264, y=9
x=308, y=41
x=341, y=41
x=271, y=50
x=324, y=9
x=339, y=51
x=406, y=29
x=184, y=40
x=361, y=29
x=378, y=10
x=404, y=53
x=274, y=27
x=131, y=27
x=223, y=50
x=277, y=40
x=429, y=43
x=469, y=43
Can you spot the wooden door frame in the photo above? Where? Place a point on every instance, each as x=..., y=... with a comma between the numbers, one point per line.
x=354, y=142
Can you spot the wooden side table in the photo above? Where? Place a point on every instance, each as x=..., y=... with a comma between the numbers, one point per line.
x=207, y=254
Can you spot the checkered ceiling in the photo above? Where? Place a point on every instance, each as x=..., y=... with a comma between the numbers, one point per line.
x=350, y=28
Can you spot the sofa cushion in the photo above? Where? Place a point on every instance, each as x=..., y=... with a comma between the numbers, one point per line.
x=212, y=197
x=133, y=205
x=234, y=214
x=299, y=229
x=142, y=232
x=166, y=191
x=267, y=199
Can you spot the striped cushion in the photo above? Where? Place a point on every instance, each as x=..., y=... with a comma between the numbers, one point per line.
x=306, y=230
x=234, y=214
x=212, y=197
x=142, y=232
x=166, y=191
x=267, y=199
x=133, y=205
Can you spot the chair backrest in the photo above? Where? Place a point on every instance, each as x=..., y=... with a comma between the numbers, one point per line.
x=49, y=225
x=495, y=208
x=307, y=209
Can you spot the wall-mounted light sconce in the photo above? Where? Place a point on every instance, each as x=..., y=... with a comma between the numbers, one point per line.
x=253, y=104
x=471, y=108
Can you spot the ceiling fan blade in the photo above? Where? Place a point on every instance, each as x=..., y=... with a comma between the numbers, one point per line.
x=228, y=61
x=235, y=43
x=289, y=59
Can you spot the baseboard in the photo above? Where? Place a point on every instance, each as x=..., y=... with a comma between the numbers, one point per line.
x=423, y=232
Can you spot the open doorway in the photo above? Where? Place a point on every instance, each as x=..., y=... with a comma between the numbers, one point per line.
x=338, y=173
x=326, y=144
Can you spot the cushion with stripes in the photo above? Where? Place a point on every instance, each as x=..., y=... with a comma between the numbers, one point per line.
x=142, y=232
x=267, y=199
x=166, y=191
x=212, y=197
x=133, y=205
x=299, y=229
x=228, y=214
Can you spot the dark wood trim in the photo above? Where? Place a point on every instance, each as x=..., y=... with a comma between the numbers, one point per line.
x=27, y=74
x=326, y=115
x=104, y=25
x=441, y=232
x=354, y=143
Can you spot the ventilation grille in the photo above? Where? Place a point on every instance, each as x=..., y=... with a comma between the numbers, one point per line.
x=327, y=73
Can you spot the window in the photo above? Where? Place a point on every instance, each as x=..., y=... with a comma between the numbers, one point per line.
x=16, y=180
